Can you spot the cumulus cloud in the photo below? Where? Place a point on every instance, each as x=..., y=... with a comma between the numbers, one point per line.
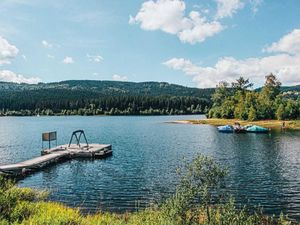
x=289, y=43
x=200, y=30
x=226, y=8
x=169, y=16
x=117, y=77
x=46, y=44
x=7, y=51
x=68, y=60
x=94, y=58
x=9, y=76
x=284, y=63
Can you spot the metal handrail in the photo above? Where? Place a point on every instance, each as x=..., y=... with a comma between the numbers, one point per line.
x=74, y=134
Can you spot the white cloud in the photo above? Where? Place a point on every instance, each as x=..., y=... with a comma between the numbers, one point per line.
x=226, y=8
x=169, y=16
x=286, y=67
x=289, y=43
x=166, y=15
x=46, y=44
x=117, y=77
x=284, y=63
x=200, y=30
x=24, y=57
x=68, y=60
x=7, y=51
x=9, y=76
x=94, y=58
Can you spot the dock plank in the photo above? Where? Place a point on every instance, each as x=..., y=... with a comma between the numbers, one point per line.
x=31, y=163
x=56, y=154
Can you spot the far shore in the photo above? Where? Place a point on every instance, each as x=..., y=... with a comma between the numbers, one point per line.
x=272, y=124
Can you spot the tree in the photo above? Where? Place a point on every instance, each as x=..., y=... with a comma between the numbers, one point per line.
x=280, y=112
x=221, y=93
x=271, y=87
x=268, y=103
x=252, y=116
x=241, y=84
x=291, y=109
x=199, y=181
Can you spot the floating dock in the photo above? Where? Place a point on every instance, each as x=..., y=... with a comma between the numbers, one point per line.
x=57, y=154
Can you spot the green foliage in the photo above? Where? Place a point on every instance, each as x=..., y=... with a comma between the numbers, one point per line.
x=268, y=103
x=221, y=93
x=198, y=180
x=252, y=114
x=241, y=84
x=15, y=202
x=280, y=112
x=101, y=98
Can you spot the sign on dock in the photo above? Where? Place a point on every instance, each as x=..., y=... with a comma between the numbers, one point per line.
x=50, y=136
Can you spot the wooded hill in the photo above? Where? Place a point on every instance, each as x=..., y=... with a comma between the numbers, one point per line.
x=92, y=97
x=88, y=97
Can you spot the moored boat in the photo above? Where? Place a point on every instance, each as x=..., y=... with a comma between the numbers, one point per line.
x=238, y=128
x=257, y=129
x=226, y=129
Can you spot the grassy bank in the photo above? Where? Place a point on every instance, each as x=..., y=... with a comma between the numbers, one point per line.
x=26, y=206
x=40, y=213
x=273, y=124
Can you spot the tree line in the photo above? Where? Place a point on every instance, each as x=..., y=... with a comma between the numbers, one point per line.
x=240, y=102
x=29, y=104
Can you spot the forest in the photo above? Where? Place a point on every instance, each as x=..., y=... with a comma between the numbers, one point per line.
x=239, y=101
x=102, y=98
x=87, y=97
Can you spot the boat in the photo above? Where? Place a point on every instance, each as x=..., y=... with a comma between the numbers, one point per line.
x=238, y=128
x=226, y=129
x=257, y=129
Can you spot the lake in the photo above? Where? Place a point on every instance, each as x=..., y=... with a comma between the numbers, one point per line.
x=264, y=168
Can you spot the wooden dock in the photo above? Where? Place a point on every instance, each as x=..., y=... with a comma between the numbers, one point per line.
x=54, y=155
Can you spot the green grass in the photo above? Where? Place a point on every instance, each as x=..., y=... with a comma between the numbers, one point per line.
x=273, y=124
x=51, y=213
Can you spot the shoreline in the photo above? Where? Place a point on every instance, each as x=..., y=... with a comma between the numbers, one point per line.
x=100, y=115
x=272, y=124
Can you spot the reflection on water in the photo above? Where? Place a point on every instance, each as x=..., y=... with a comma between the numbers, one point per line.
x=264, y=168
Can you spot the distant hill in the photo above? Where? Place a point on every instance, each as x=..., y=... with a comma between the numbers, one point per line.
x=93, y=97
x=111, y=88
x=90, y=97
x=286, y=88
x=291, y=88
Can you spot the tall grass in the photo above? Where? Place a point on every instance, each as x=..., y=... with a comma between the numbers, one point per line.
x=200, y=182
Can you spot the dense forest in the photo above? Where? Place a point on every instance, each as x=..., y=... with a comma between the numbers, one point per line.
x=269, y=102
x=88, y=97
x=102, y=98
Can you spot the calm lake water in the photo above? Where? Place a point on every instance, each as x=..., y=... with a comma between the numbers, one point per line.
x=264, y=168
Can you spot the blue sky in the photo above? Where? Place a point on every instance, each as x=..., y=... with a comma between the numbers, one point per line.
x=193, y=43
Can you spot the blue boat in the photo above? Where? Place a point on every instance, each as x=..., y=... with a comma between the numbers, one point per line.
x=226, y=129
x=257, y=129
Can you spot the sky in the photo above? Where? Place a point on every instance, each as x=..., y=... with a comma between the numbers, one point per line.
x=195, y=43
